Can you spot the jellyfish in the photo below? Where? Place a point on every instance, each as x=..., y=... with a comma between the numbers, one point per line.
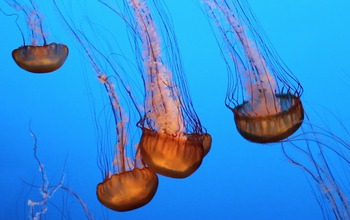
x=262, y=93
x=127, y=183
x=38, y=56
x=173, y=141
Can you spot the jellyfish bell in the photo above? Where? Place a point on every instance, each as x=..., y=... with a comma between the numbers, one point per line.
x=40, y=59
x=270, y=127
x=173, y=156
x=129, y=186
x=129, y=190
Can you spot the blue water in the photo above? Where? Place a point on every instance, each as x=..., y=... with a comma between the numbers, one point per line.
x=237, y=180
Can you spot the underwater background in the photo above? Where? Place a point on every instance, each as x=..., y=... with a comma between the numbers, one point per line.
x=237, y=179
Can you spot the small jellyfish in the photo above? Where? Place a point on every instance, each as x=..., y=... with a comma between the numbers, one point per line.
x=263, y=93
x=37, y=58
x=173, y=141
x=41, y=59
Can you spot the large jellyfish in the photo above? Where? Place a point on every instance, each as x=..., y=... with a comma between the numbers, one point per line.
x=262, y=93
x=127, y=183
x=38, y=56
x=173, y=141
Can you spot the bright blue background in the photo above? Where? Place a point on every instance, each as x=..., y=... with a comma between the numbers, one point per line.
x=237, y=180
